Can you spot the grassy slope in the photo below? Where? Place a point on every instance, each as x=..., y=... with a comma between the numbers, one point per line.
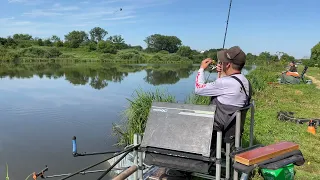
x=300, y=99
x=314, y=72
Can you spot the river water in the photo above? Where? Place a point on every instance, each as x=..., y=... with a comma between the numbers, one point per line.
x=43, y=106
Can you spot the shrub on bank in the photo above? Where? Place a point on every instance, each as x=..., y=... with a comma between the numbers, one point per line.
x=37, y=52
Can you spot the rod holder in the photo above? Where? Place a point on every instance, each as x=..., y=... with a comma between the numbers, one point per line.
x=74, y=146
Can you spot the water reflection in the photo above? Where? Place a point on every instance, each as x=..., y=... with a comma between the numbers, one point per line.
x=98, y=75
x=158, y=75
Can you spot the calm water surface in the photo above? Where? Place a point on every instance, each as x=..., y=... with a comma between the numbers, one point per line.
x=43, y=106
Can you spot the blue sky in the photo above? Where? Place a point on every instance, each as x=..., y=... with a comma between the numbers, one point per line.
x=255, y=25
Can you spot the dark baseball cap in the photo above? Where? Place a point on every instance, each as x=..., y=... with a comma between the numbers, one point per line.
x=233, y=55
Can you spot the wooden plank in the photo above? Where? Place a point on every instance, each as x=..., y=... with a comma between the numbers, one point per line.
x=264, y=153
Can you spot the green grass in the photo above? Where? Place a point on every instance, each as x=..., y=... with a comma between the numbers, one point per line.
x=137, y=114
x=314, y=72
x=269, y=99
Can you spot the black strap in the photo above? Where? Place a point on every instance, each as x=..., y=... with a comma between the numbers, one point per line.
x=227, y=123
x=250, y=89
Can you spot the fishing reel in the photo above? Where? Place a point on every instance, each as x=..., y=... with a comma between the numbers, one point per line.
x=213, y=65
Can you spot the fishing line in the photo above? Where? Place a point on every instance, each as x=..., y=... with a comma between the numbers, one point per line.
x=224, y=39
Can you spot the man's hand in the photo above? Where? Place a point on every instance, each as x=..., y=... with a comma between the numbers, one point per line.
x=219, y=67
x=205, y=63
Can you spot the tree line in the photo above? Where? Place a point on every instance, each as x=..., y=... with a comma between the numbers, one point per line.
x=96, y=40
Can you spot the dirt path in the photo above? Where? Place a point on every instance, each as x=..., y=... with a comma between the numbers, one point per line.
x=314, y=81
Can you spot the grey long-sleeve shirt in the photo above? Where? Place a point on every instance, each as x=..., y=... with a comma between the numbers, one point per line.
x=227, y=90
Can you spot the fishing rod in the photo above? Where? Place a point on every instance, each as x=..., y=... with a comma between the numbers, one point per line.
x=213, y=66
x=84, y=171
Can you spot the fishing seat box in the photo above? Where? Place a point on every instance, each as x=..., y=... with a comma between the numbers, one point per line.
x=178, y=136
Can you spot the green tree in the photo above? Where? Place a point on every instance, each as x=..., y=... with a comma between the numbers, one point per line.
x=264, y=56
x=185, y=51
x=47, y=42
x=59, y=44
x=75, y=38
x=116, y=39
x=286, y=58
x=22, y=37
x=92, y=46
x=40, y=42
x=3, y=41
x=211, y=53
x=315, y=55
x=55, y=39
x=158, y=42
x=106, y=47
x=11, y=42
x=250, y=58
x=97, y=34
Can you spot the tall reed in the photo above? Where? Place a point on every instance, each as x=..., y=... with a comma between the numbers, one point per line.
x=137, y=114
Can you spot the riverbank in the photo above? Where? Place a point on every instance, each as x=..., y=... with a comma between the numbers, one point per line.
x=36, y=54
x=269, y=99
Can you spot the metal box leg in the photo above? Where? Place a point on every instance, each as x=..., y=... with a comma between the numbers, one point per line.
x=218, y=155
x=237, y=140
x=135, y=155
x=227, y=160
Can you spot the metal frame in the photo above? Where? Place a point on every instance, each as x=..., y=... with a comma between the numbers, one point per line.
x=138, y=167
x=238, y=147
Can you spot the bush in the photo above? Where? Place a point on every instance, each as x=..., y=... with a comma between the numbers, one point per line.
x=59, y=44
x=40, y=52
x=156, y=58
x=130, y=55
x=185, y=51
x=6, y=55
x=34, y=52
x=54, y=52
x=107, y=56
x=92, y=46
x=106, y=47
x=163, y=52
x=40, y=42
x=260, y=77
x=175, y=57
x=138, y=48
x=47, y=42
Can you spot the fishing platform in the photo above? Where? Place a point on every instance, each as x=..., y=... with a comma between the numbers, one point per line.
x=179, y=142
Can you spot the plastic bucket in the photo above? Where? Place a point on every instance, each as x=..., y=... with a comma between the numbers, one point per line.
x=284, y=173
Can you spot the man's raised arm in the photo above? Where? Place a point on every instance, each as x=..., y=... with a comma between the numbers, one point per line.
x=207, y=89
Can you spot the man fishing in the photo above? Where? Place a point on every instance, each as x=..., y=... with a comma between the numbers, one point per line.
x=229, y=93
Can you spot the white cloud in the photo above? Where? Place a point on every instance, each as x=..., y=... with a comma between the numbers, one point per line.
x=41, y=13
x=119, y=18
x=66, y=8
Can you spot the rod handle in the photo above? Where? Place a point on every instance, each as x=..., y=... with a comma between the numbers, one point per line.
x=74, y=145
